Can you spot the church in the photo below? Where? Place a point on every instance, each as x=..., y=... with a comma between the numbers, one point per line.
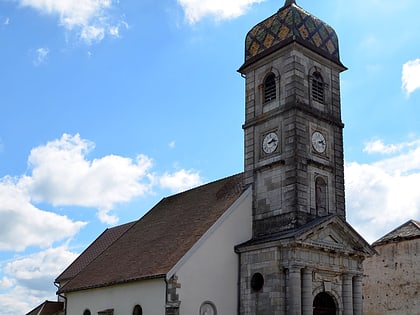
x=272, y=240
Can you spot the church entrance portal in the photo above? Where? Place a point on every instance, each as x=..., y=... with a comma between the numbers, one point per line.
x=324, y=304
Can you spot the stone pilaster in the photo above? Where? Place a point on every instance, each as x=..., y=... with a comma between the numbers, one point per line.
x=173, y=302
x=357, y=295
x=295, y=291
x=347, y=294
x=307, y=299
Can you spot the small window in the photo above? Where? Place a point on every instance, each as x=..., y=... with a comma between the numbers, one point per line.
x=317, y=87
x=208, y=308
x=270, y=88
x=86, y=312
x=257, y=282
x=137, y=310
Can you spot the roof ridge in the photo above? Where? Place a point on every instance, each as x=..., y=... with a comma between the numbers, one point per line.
x=202, y=186
x=416, y=223
x=90, y=246
x=389, y=237
x=133, y=223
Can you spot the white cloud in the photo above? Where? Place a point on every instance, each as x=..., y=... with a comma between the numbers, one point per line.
x=115, y=30
x=195, y=10
x=92, y=33
x=411, y=76
x=382, y=195
x=40, y=56
x=12, y=302
x=90, y=19
x=378, y=146
x=6, y=282
x=180, y=180
x=28, y=225
x=32, y=276
x=38, y=271
x=63, y=176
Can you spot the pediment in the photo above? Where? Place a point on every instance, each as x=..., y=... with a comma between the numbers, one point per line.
x=335, y=234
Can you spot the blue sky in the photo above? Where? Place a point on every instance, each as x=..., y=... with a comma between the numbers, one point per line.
x=107, y=106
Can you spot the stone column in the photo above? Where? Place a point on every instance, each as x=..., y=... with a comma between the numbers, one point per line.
x=347, y=294
x=295, y=293
x=357, y=295
x=307, y=299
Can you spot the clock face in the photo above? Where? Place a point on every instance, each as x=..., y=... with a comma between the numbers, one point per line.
x=270, y=142
x=318, y=142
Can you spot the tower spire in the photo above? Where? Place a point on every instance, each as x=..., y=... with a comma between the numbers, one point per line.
x=289, y=2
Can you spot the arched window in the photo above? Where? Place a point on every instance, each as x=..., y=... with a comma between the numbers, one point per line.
x=317, y=87
x=321, y=196
x=270, y=88
x=137, y=310
x=208, y=308
x=86, y=312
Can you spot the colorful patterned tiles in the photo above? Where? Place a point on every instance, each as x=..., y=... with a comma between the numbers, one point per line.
x=292, y=23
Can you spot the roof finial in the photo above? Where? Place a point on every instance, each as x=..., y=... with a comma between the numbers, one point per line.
x=289, y=2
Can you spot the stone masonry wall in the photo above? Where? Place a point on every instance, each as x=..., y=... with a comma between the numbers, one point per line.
x=286, y=200
x=391, y=283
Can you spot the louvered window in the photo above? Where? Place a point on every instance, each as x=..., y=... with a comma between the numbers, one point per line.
x=270, y=88
x=317, y=88
x=321, y=196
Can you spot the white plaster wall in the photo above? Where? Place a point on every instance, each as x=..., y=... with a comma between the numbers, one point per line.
x=150, y=295
x=210, y=271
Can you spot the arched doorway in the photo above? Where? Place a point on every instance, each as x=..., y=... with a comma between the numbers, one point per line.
x=324, y=304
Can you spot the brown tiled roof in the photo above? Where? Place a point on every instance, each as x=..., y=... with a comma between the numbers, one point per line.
x=47, y=308
x=407, y=231
x=156, y=242
x=108, y=237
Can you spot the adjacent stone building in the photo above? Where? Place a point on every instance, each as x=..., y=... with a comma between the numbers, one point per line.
x=392, y=277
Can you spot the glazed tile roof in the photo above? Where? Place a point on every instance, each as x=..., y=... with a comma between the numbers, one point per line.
x=407, y=231
x=291, y=24
x=156, y=242
x=108, y=237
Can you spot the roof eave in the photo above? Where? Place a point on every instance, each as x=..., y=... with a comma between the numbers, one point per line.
x=102, y=285
x=285, y=43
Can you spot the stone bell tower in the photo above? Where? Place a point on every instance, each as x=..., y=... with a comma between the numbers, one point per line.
x=303, y=256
